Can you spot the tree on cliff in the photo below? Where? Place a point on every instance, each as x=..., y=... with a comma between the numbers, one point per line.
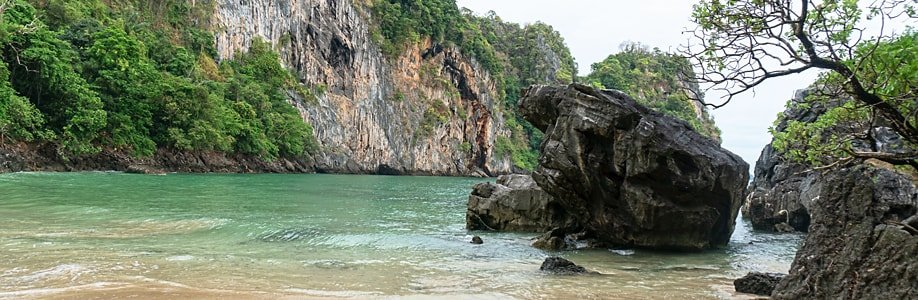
x=871, y=71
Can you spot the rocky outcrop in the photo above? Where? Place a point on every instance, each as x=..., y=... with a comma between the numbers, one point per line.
x=514, y=203
x=758, y=283
x=781, y=193
x=430, y=111
x=28, y=157
x=629, y=176
x=861, y=244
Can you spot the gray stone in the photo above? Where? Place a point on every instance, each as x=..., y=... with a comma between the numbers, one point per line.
x=514, y=203
x=628, y=176
x=858, y=246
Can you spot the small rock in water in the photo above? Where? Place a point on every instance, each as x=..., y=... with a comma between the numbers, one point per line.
x=758, y=283
x=562, y=266
x=477, y=240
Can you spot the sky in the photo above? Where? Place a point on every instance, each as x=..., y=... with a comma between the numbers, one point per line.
x=594, y=29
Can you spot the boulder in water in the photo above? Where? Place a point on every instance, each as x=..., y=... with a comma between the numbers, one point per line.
x=629, y=176
x=561, y=266
x=514, y=203
x=477, y=240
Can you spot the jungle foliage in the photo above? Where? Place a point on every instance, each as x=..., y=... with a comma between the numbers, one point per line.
x=135, y=76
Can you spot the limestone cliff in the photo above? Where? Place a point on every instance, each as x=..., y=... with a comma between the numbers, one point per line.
x=431, y=110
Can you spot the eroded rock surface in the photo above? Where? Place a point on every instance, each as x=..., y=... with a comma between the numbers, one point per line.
x=514, y=203
x=858, y=246
x=758, y=283
x=629, y=176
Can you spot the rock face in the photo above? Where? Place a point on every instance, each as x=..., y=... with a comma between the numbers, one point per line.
x=514, y=203
x=758, y=283
x=431, y=111
x=629, y=176
x=781, y=194
x=858, y=246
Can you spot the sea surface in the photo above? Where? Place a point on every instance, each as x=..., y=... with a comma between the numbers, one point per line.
x=115, y=235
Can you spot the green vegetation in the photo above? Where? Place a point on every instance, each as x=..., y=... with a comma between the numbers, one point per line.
x=831, y=137
x=870, y=73
x=657, y=80
x=135, y=76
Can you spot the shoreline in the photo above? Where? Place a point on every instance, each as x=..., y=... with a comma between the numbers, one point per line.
x=22, y=157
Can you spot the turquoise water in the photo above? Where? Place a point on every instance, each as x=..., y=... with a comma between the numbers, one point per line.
x=85, y=235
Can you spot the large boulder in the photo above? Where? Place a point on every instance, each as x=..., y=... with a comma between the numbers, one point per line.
x=862, y=242
x=514, y=203
x=630, y=176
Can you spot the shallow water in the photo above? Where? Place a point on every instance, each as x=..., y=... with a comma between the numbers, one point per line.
x=104, y=235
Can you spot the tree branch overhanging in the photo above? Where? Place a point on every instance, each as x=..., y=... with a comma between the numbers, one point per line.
x=740, y=45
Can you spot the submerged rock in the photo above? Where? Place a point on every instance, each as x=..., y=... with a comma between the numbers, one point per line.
x=858, y=246
x=477, y=240
x=561, y=266
x=289, y=235
x=514, y=203
x=758, y=283
x=629, y=176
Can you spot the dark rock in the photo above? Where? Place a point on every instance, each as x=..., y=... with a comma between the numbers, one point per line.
x=477, y=240
x=758, y=283
x=781, y=193
x=858, y=246
x=781, y=190
x=629, y=176
x=514, y=203
x=557, y=265
x=565, y=239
